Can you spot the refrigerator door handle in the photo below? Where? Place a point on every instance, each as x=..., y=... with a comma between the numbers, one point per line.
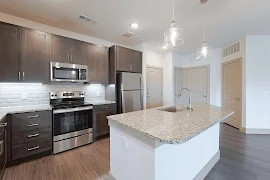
x=141, y=88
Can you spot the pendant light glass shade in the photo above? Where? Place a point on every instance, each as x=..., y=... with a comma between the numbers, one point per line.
x=173, y=36
x=204, y=51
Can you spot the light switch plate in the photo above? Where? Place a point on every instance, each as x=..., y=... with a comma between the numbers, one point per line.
x=24, y=96
x=124, y=140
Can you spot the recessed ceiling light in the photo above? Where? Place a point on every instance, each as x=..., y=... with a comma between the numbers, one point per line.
x=165, y=47
x=134, y=25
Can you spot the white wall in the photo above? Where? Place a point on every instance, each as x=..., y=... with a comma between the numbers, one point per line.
x=168, y=80
x=215, y=71
x=258, y=82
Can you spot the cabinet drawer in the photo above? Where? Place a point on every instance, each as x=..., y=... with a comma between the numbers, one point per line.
x=32, y=120
x=28, y=136
x=105, y=108
x=31, y=149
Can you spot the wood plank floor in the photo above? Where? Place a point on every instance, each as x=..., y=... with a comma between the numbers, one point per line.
x=243, y=157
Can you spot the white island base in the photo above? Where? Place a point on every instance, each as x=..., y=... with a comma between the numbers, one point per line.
x=134, y=156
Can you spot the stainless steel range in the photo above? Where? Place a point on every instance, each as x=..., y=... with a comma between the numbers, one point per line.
x=72, y=120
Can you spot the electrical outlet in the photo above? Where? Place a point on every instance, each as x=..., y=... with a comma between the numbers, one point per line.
x=265, y=93
x=124, y=140
x=24, y=96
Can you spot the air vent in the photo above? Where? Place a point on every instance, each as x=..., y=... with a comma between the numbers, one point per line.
x=87, y=19
x=232, y=49
x=128, y=34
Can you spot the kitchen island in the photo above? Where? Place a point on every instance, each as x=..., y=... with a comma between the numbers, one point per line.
x=157, y=144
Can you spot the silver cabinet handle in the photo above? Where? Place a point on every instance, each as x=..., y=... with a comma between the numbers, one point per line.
x=35, y=116
x=68, y=57
x=33, y=148
x=33, y=135
x=71, y=57
x=1, y=147
x=31, y=125
x=19, y=74
x=23, y=76
x=3, y=124
x=104, y=107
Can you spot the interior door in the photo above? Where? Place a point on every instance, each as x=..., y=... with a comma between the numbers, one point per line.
x=232, y=87
x=154, y=87
x=196, y=80
x=178, y=84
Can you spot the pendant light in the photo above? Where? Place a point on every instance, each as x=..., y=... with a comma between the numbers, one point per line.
x=204, y=51
x=174, y=35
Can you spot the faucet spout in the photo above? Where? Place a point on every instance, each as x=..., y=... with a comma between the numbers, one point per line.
x=189, y=98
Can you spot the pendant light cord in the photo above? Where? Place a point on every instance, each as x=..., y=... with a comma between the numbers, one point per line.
x=204, y=33
x=173, y=10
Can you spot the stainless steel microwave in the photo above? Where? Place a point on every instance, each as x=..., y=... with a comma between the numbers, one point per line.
x=65, y=72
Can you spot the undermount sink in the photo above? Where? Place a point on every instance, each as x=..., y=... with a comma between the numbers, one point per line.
x=173, y=109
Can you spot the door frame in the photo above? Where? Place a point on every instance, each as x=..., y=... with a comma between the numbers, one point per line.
x=208, y=78
x=241, y=95
x=154, y=67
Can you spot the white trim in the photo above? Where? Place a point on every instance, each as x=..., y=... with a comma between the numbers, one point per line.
x=207, y=168
x=255, y=131
x=111, y=177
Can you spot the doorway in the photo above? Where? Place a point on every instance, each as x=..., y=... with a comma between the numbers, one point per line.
x=154, y=76
x=196, y=79
x=232, y=91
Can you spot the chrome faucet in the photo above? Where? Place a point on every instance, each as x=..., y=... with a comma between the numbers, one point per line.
x=189, y=99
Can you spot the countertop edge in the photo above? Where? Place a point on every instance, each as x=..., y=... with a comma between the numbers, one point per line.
x=172, y=141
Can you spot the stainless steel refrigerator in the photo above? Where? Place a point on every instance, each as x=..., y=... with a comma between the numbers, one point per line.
x=129, y=92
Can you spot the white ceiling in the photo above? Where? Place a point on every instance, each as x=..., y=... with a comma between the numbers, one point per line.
x=226, y=20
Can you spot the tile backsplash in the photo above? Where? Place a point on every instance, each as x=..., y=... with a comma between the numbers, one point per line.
x=21, y=94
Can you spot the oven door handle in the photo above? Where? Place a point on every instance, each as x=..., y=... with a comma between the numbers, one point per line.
x=59, y=111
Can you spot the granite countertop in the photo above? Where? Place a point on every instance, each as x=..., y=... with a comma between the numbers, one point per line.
x=22, y=109
x=172, y=128
x=100, y=102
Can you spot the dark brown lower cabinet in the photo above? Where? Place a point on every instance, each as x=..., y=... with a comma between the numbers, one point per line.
x=3, y=151
x=101, y=122
x=30, y=135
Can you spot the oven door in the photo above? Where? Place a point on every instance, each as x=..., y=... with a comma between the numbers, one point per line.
x=72, y=122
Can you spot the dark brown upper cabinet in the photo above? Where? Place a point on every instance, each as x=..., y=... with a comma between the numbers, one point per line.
x=136, y=61
x=98, y=64
x=68, y=50
x=123, y=56
x=124, y=60
x=10, y=41
x=35, y=56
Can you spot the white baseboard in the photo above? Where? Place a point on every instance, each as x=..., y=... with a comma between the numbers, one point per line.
x=111, y=177
x=207, y=168
x=255, y=131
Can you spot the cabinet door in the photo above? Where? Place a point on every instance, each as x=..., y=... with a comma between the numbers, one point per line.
x=136, y=63
x=123, y=56
x=98, y=64
x=102, y=127
x=10, y=40
x=77, y=52
x=35, y=56
x=3, y=151
x=60, y=49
